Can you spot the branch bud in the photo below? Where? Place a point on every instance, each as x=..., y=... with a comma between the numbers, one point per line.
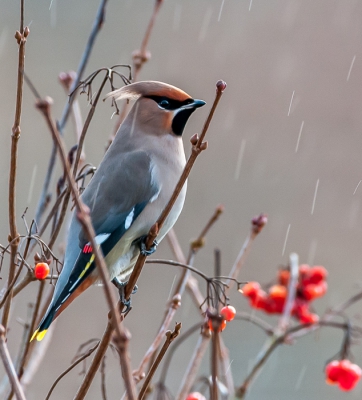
x=220, y=85
x=26, y=31
x=258, y=223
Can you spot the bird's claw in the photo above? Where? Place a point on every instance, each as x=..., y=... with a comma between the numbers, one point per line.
x=143, y=248
x=126, y=302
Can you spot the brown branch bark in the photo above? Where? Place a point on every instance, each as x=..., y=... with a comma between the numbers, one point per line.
x=97, y=359
x=170, y=337
x=21, y=37
x=194, y=364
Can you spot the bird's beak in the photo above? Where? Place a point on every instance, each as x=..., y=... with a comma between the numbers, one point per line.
x=194, y=104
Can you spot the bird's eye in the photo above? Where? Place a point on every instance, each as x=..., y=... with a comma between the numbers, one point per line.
x=164, y=103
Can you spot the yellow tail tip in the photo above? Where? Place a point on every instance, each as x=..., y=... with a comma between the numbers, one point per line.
x=39, y=335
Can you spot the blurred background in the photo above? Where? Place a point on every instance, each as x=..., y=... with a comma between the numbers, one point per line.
x=286, y=140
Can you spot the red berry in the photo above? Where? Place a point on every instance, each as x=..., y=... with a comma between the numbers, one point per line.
x=278, y=292
x=251, y=289
x=228, y=312
x=221, y=328
x=349, y=375
x=313, y=291
x=317, y=274
x=304, y=270
x=308, y=318
x=195, y=396
x=283, y=277
x=332, y=372
x=41, y=270
x=259, y=300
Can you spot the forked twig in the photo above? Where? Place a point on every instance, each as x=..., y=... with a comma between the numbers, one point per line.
x=170, y=337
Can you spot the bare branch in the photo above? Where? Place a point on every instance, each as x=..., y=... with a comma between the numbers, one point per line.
x=97, y=25
x=257, y=225
x=170, y=337
x=292, y=288
x=9, y=366
x=21, y=37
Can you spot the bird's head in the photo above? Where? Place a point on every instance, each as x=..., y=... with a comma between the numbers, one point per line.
x=160, y=108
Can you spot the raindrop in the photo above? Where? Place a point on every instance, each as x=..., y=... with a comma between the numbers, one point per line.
x=350, y=68
x=240, y=159
x=173, y=283
x=205, y=24
x=300, y=133
x=291, y=102
x=32, y=182
x=222, y=6
x=315, y=195
x=300, y=378
x=286, y=239
x=355, y=190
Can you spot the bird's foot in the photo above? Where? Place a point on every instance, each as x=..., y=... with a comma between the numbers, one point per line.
x=126, y=302
x=142, y=243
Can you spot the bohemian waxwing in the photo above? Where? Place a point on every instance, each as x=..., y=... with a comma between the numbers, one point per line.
x=126, y=195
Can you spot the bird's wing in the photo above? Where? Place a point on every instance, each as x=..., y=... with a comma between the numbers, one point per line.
x=116, y=195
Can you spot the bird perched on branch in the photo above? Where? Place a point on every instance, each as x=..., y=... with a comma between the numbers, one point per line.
x=132, y=185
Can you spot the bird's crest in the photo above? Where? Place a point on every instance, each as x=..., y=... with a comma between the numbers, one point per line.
x=148, y=88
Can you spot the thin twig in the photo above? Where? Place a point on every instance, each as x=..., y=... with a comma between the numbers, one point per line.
x=74, y=364
x=9, y=366
x=194, y=363
x=170, y=337
x=97, y=359
x=97, y=25
x=257, y=225
x=21, y=37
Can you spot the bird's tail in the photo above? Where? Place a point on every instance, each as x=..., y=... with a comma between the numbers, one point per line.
x=44, y=325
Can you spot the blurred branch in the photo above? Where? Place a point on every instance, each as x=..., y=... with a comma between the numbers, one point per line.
x=139, y=57
x=292, y=289
x=9, y=367
x=97, y=25
x=21, y=37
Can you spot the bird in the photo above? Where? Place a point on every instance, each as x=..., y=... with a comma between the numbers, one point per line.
x=128, y=192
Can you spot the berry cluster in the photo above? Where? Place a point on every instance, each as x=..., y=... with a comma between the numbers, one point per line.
x=311, y=285
x=228, y=314
x=343, y=373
